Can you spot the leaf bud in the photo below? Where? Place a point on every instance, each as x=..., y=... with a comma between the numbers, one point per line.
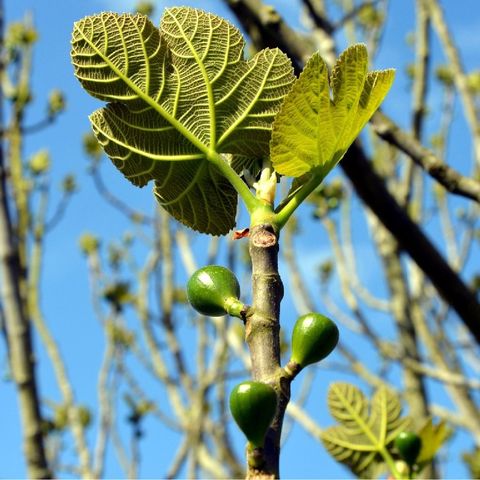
x=89, y=243
x=39, y=162
x=145, y=8
x=56, y=102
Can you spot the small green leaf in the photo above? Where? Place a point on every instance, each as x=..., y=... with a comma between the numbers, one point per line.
x=433, y=437
x=179, y=95
x=315, y=127
x=364, y=430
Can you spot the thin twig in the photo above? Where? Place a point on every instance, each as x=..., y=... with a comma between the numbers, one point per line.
x=104, y=415
x=51, y=346
x=460, y=77
x=117, y=203
x=449, y=178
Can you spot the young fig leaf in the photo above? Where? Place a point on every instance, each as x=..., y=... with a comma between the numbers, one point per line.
x=314, y=337
x=253, y=406
x=212, y=290
x=433, y=436
x=364, y=428
x=315, y=126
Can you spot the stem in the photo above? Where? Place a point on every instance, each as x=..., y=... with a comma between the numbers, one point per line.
x=238, y=184
x=391, y=463
x=19, y=335
x=262, y=335
x=410, y=472
x=285, y=211
x=18, y=329
x=263, y=325
x=53, y=351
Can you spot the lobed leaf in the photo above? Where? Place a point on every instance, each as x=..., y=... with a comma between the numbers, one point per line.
x=178, y=95
x=119, y=58
x=316, y=126
x=190, y=189
x=347, y=404
x=433, y=437
x=386, y=407
x=363, y=431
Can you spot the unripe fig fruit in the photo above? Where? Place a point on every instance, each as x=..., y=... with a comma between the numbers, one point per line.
x=408, y=445
x=253, y=406
x=314, y=337
x=212, y=290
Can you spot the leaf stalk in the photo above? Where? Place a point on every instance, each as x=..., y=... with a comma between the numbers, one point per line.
x=286, y=210
x=237, y=183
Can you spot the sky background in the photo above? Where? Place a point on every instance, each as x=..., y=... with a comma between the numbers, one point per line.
x=66, y=295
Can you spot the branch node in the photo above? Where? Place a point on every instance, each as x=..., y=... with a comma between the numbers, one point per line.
x=263, y=236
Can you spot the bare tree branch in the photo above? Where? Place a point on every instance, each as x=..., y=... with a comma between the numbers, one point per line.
x=448, y=177
x=21, y=356
x=460, y=77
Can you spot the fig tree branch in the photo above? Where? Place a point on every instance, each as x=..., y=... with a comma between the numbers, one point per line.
x=51, y=346
x=445, y=175
x=454, y=60
x=17, y=326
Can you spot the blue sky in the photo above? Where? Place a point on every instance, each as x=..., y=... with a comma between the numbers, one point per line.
x=66, y=296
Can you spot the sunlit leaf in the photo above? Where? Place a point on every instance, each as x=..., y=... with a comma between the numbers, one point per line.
x=433, y=437
x=179, y=95
x=365, y=428
x=191, y=190
x=323, y=114
x=347, y=404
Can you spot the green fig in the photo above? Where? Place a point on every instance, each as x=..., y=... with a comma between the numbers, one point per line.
x=253, y=406
x=214, y=290
x=408, y=445
x=314, y=337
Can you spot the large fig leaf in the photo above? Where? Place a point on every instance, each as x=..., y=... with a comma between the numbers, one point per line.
x=178, y=96
x=365, y=428
x=323, y=114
